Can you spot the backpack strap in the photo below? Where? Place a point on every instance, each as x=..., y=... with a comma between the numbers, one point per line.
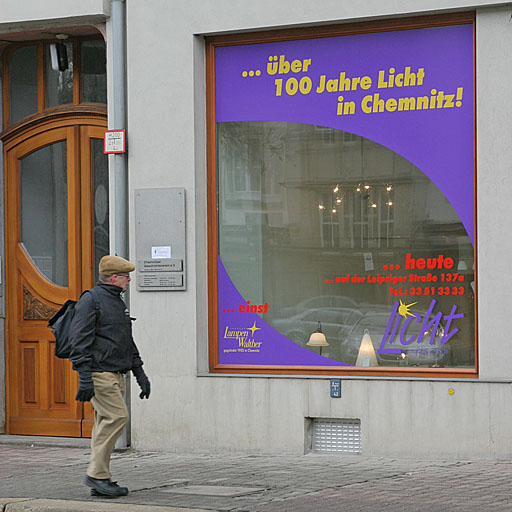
x=97, y=305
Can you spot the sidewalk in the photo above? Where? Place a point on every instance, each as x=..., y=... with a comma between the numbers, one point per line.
x=35, y=477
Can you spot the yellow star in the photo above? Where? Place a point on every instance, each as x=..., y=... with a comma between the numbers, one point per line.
x=254, y=328
x=403, y=309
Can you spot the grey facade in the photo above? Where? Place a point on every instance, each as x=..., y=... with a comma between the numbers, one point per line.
x=192, y=409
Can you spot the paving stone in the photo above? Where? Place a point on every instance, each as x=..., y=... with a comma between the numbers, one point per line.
x=215, y=490
x=276, y=483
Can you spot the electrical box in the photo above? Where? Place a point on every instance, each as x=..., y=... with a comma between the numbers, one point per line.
x=160, y=239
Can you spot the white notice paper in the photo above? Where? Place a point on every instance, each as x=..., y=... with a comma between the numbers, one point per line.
x=368, y=261
x=161, y=252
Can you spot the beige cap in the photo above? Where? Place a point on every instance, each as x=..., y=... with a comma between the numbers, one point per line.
x=110, y=265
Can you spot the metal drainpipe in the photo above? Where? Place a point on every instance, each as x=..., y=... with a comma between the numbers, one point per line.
x=120, y=160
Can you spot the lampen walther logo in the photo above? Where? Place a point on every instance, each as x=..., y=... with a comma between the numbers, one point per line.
x=244, y=337
x=430, y=326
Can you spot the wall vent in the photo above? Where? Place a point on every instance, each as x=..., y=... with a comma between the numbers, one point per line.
x=336, y=435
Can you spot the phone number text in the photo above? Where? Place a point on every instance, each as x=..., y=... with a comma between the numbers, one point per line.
x=425, y=291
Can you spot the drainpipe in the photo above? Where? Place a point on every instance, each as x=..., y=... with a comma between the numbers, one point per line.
x=120, y=172
x=120, y=160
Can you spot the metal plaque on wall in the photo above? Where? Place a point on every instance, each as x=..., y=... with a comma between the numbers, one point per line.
x=160, y=239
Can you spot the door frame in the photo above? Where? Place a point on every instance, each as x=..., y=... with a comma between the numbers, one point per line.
x=88, y=122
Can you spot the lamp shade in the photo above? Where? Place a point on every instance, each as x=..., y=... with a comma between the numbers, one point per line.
x=462, y=265
x=318, y=339
x=366, y=355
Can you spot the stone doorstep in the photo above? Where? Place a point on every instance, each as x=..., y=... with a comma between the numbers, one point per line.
x=43, y=505
x=6, y=501
x=46, y=442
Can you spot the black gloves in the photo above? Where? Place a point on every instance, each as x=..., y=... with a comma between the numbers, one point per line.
x=142, y=381
x=85, y=387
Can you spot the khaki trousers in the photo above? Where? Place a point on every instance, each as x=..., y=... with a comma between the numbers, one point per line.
x=110, y=417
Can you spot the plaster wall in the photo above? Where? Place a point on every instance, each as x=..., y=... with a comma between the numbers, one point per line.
x=2, y=310
x=267, y=415
x=191, y=411
x=28, y=11
x=2, y=296
x=494, y=154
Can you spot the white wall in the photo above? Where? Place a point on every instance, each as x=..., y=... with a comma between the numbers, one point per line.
x=29, y=11
x=494, y=181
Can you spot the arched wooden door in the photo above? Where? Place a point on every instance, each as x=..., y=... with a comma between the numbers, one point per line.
x=56, y=227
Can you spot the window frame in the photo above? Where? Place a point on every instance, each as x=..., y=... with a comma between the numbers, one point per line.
x=211, y=43
x=41, y=78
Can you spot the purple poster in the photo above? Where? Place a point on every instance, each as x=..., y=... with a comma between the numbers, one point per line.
x=410, y=91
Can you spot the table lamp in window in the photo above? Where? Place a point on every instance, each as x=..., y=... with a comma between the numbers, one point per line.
x=366, y=356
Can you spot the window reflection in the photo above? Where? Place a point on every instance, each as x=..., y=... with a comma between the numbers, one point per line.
x=44, y=226
x=22, y=83
x=300, y=206
x=100, y=200
x=94, y=71
x=59, y=84
x=56, y=88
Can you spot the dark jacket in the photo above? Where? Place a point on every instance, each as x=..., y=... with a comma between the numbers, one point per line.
x=102, y=341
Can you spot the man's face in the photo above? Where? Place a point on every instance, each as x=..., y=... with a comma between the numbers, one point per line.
x=121, y=280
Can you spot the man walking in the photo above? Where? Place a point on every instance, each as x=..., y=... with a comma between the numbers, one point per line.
x=103, y=352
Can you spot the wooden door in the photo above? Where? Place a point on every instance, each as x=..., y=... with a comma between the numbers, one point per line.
x=49, y=259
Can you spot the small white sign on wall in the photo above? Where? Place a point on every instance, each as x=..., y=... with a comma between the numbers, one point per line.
x=161, y=252
x=114, y=142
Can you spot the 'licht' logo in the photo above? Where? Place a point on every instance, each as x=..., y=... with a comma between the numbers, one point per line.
x=428, y=327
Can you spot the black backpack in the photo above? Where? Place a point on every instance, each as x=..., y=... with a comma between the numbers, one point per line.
x=61, y=321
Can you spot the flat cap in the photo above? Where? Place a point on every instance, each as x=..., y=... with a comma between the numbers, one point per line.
x=110, y=265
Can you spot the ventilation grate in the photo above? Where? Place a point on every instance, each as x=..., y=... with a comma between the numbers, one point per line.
x=336, y=435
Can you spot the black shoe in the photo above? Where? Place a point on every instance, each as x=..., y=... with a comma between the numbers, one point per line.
x=95, y=493
x=122, y=490
x=104, y=487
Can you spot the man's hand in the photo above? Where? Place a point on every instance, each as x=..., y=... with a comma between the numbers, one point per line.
x=145, y=387
x=85, y=387
x=142, y=381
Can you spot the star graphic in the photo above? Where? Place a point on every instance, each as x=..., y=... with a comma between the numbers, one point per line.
x=254, y=328
x=403, y=309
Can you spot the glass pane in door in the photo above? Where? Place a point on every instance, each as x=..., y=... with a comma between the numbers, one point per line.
x=43, y=205
x=100, y=200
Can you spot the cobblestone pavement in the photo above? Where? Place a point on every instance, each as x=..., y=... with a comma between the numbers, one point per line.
x=259, y=483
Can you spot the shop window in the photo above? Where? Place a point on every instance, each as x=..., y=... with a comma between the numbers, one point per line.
x=344, y=243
